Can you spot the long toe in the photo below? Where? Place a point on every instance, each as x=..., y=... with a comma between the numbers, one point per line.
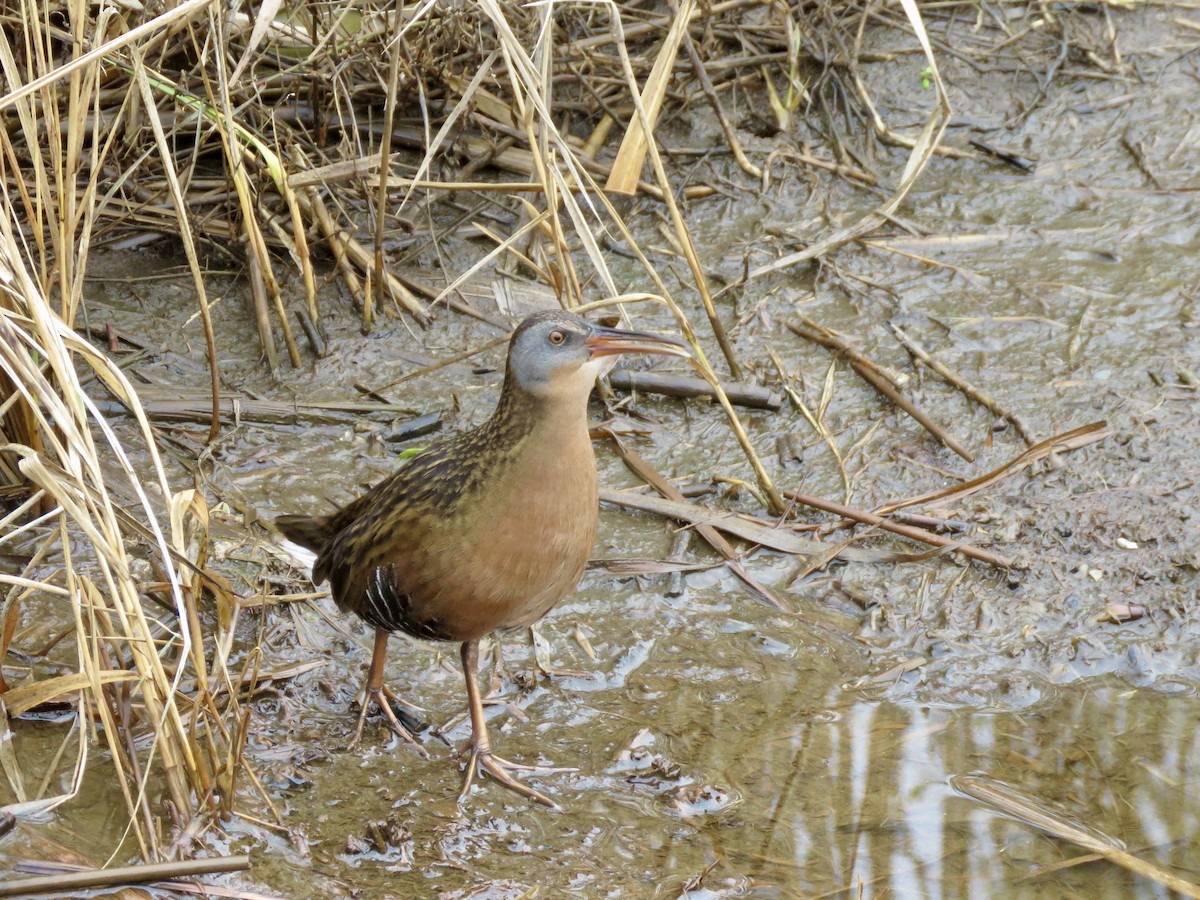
x=382, y=697
x=414, y=717
x=499, y=769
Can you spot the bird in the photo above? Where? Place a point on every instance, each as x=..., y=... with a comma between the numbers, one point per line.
x=485, y=530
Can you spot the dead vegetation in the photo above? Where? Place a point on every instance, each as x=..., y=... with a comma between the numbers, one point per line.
x=346, y=143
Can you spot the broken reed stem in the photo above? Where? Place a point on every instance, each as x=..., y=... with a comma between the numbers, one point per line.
x=871, y=373
x=714, y=101
x=908, y=531
x=565, y=280
x=968, y=390
x=754, y=531
x=1036, y=813
x=82, y=879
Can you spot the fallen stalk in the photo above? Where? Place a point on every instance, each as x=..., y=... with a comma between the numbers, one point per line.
x=739, y=393
x=870, y=373
x=908, y=531
x=969, y=390
x=1068, y=440
x=780, y=539
x=714, y=538
x=1032, y=812
x=90, y=878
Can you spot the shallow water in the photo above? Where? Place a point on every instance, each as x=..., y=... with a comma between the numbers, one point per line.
x=744, y=781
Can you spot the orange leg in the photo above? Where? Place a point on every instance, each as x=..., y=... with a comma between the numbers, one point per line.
x=481, y=758
x=381, y=695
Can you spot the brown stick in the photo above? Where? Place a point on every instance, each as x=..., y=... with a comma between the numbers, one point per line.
x=90, y=878
x=969, y=390
x=811, y=331
x=714, y=101
x=908, y=531
x=739, y=393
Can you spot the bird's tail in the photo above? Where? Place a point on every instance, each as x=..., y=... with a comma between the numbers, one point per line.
x=310, y=532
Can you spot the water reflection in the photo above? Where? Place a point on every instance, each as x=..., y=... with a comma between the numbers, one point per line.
x=860, y=801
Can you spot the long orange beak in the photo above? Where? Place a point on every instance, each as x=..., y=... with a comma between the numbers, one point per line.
x=611, y=341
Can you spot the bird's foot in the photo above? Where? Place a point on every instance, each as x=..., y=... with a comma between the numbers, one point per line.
x=482, y=760
x=383, y=697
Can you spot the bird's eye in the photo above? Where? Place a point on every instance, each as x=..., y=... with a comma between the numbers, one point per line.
x=557, y=337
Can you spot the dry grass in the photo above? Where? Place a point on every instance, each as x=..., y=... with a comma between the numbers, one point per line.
x=92, y=508
x=297, y=139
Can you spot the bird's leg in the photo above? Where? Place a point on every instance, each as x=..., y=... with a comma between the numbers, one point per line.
x=481, y=758
x=379, y=693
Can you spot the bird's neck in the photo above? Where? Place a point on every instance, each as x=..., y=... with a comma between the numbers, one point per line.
x=520, y=414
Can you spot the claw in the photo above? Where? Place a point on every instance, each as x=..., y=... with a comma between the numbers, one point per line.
x=382, y=698
x=483, y=760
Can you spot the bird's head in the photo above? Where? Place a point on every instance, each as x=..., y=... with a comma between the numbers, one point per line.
x=559, y=354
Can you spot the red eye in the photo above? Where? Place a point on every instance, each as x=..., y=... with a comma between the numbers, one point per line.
x=557, y=337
